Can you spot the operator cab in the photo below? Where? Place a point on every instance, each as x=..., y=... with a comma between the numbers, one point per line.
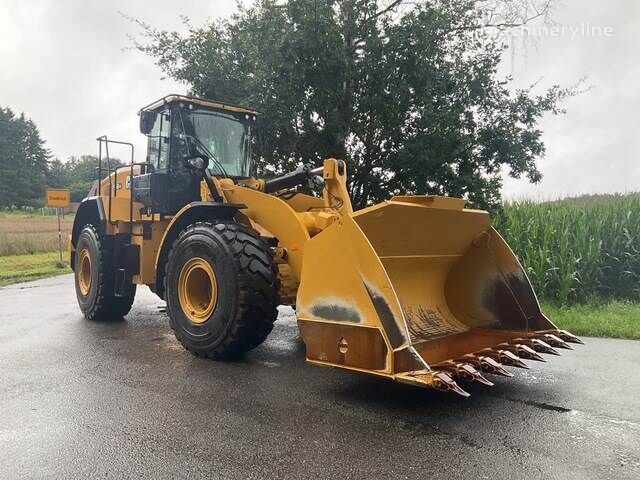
x=185, y=135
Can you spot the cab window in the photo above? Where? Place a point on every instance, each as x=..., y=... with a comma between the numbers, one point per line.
x=159, y=141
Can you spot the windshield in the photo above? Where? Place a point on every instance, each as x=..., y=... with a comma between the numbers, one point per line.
x=221, y=137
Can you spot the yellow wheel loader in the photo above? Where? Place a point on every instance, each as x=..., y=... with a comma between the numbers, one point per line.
x=417, y=289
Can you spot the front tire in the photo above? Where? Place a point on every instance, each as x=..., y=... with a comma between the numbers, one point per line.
x=95, y=278
x=221, y=287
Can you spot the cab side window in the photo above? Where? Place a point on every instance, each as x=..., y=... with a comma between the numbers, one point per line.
x=159, y=141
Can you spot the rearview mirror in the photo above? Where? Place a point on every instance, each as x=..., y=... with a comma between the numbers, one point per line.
x=196, y=163
x=147, y=121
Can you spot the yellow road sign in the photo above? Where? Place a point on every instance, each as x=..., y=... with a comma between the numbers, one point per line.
x=58, y=197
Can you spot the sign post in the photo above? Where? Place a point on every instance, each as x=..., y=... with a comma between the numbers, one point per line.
x=59, y=234
x=58, y=197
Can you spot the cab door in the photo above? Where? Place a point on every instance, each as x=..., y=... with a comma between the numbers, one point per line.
x=168, y=185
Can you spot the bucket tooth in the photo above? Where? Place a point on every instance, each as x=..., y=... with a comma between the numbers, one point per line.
x=486, y=364
x=469, y=373
x=443, y=382
x=568, y=337
x=511, y=359
x=554, y=341
x=563, y=335
x=489, y=365
x=464, y=371
x=522, y=351
x=436, y=379
x=537, y=344
x=506, y=357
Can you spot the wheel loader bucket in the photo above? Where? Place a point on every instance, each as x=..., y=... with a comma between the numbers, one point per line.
x=421, y=290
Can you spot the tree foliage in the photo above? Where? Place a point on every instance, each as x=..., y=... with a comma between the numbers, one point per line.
x=77, y=174
x=26, y=167
x=410, y=98
x=23, y=160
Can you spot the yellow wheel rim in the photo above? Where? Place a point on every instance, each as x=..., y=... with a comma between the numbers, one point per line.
x=197, y=290
x=84, y=272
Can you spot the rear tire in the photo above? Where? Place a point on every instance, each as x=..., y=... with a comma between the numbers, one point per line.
x=94, y=278
x=221, y=287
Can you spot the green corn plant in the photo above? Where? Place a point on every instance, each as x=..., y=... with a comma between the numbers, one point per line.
x=577, y=249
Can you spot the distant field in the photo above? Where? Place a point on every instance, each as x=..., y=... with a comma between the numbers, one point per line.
x=31, y=233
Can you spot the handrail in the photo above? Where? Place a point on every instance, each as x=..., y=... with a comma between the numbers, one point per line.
x=101, y=139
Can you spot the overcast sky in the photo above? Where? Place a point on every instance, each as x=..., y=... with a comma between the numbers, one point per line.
x=65, y=64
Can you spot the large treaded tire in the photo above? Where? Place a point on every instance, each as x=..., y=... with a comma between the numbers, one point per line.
x=247, y=289
x=100, y=303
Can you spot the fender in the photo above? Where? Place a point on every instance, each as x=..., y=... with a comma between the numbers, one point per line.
x=277, y=217
x=90, y=211
x=190, y=213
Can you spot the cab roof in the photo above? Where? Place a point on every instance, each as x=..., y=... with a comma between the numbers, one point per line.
x=203, y=102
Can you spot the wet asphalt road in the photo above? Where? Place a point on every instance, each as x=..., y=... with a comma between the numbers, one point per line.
x=83, y=399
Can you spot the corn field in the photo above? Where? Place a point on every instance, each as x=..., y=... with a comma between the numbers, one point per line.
x=579, y=249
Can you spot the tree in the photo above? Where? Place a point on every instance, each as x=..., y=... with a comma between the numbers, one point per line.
x=57, y=174
x=407, y=93
x=26, y=167
x=77, y=174
x=81, y=172
x=23, y=160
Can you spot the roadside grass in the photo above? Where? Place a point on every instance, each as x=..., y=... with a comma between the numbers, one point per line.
x=23, y=268
x=615, y=319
